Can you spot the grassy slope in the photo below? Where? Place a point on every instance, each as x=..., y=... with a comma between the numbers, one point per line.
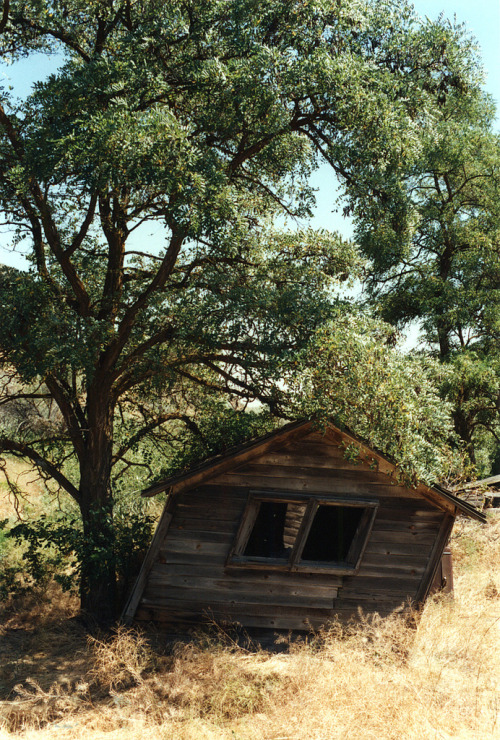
x=384, y=679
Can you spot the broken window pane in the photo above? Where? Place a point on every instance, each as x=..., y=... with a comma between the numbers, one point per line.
x=332, y=532
x=275, y=530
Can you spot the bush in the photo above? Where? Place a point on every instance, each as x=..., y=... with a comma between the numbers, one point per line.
x=53, y=546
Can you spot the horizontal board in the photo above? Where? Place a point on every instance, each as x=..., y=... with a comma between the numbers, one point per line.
x=343, y=610
x=211, y=511
x=178, y=619
x=230, y=611
x=364, y=585
x=393, y=560
x=204, y=494
x=383, y=525
x=409, y=536
x=397, y=548
x=327, y=485
x=175, y=534
x=294, y=471
x=206, y=599
x=305, y=460
x=190, y=559
x=294, y=586
x=419, y=507
x=194, y=546
x=218, y=570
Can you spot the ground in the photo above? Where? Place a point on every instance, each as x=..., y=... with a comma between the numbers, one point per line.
x=434, y=675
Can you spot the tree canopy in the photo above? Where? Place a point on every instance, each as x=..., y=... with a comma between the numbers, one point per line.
x=201, y=121
x=440, y=265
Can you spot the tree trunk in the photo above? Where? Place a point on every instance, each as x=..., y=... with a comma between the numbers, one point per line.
x=98, y=575
x=464, y=431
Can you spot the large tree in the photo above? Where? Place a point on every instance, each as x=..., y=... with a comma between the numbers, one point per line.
x=200, y=121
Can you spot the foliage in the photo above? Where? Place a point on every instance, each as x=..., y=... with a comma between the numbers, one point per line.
x=219, y=426
x=435, y=253
x=54, y=547
x=355, y=375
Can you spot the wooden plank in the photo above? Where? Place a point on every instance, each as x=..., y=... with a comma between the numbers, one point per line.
x=217, y=583
x=388, y=584
x=384, y=560
x=325, y=485
x=435, y=558
x=212, y=495
x=151, y=555
x=206, y=493
x=207, y=598
x=313, y=460
x=195, y=524
x=192, y=559
x=198, y=537
x=171, y=618
x=188, y=569
x=343, y=611
x=419, y=528
x=410, y=537
x=299, y=472
x=315, y=619
x=194, y=546
x=239, y=611
x=405, y=510
x=213, y=514
x=398, y=548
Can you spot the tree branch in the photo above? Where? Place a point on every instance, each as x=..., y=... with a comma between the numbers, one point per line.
x=154, y=424
x=21, y=450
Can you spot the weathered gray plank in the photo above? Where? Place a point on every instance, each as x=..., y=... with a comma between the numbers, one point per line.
x=435, y=557
x=410, y=537
x=295, y=471
x=392, y=560
x=197, y=537
x=253, y=583
x=407, y=526
x=179, y=619
x=324, y=485
x=194, y=546
x=387, y=584
x=398, y=548
x=208, y=598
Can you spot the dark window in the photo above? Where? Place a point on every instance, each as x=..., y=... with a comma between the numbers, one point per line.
x=332, y=533
x=275, y=530
x=303, y=534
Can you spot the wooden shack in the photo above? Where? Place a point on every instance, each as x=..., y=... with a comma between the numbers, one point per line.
x=290, y=531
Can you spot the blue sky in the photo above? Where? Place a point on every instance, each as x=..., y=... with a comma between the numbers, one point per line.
x=482, y=18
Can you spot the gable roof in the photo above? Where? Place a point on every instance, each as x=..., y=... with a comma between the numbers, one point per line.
x=210, y=468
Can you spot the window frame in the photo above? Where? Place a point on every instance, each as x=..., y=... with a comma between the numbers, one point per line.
x=312, y=502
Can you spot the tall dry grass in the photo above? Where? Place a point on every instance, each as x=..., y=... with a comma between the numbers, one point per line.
x=437, y=676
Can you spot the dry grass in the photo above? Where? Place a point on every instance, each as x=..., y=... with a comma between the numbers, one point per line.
x=438, y=677
x=30, y=486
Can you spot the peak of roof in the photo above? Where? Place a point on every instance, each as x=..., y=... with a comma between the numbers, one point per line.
x=218, y=464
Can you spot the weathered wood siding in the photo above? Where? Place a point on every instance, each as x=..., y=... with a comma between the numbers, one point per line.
x=189, y=582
